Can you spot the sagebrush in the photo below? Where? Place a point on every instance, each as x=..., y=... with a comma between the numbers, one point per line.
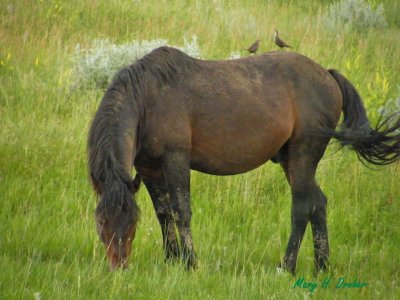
x=354, y=14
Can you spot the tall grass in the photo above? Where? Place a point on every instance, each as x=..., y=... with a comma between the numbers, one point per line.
x=48, y=244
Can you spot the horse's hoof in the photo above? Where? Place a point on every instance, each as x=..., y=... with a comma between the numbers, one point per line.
x=284, y=268
x=191, y=262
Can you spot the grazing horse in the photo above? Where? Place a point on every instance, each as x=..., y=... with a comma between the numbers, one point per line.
x=169, y=113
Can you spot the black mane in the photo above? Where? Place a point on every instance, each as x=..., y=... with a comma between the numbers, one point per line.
x=165, y=64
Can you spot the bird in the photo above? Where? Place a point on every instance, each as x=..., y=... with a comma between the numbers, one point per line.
x=254, y=47
x=281, y=44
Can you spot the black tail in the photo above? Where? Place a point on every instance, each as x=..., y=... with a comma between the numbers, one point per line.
x=379, y=146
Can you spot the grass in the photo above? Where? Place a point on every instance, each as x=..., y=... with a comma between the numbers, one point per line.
x=48, y=244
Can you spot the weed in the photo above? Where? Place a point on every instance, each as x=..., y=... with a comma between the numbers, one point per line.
x=95, y=66
x=354, y=14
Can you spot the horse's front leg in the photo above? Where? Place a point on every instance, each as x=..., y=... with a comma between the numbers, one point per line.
x=176, y=169
x=158, y=191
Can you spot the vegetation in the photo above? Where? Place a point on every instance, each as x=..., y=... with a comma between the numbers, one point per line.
x=48, y=244
x=354, y=14
x=96, y=66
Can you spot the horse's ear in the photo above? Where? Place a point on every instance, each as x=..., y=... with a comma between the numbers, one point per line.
x=134, y=185
x=96, y=184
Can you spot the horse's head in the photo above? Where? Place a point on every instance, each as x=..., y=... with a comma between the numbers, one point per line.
x=116, y=224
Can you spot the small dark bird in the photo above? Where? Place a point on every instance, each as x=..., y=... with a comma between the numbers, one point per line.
x=253, y=48
x=281, y=44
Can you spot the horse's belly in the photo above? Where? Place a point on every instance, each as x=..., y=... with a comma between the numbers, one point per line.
x=239, y=152
x=223, y=167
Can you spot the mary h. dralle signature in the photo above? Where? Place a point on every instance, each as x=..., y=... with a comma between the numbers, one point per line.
x=328, y=282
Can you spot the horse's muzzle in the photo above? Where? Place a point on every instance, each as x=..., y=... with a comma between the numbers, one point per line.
x=118, y=257
x=116, y=263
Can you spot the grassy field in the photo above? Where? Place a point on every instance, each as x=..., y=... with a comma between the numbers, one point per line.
x=48, y=245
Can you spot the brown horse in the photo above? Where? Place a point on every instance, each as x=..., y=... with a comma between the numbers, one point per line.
x=169, y=113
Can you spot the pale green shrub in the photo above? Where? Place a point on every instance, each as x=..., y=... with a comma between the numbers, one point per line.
x=354, y=14
x=235, y=55
x=391, y=106
x=95, y=66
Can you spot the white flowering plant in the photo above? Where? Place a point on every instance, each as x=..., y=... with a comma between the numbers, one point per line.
x=95, y=66
x=354, y=14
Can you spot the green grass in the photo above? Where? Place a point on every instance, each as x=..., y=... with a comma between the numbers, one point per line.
x=48, y=244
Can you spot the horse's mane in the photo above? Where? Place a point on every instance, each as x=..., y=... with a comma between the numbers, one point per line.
x=165, y=64
x=126, y=93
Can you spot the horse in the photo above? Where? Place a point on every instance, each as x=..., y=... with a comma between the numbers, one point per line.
x=168, y=113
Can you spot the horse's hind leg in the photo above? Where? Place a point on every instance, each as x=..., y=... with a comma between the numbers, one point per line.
x=320, y=232
x=299, y=160
x=176, y=169
x=158, y=191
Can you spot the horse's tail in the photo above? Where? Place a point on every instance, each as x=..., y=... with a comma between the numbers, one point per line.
x=379, y=146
